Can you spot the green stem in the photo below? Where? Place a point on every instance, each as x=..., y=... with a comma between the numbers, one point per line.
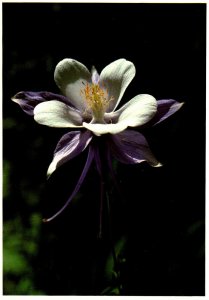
x=116, y=264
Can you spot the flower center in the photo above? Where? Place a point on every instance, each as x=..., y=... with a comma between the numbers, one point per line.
x=97, y=100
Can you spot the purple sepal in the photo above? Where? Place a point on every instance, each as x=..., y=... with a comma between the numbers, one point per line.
x=98, y=161
x=69, y=146
x=29, y=100
x=94, y=76
x=165, y=108
x=131, y=147
x=78, y=185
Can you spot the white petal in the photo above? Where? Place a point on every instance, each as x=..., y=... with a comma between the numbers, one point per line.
x=99, y=129
x=57, y=114
x=115, y=78
x=70, y=76
x=137, y=111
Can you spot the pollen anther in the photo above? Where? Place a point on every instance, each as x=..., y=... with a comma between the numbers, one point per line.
x=97, y=100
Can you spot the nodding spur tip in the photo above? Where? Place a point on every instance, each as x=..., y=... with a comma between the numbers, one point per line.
x=45, y=220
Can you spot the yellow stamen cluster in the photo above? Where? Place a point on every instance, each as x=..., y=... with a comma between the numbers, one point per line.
x=96, y=99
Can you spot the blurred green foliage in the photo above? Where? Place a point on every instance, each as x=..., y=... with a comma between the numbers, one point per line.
x=114, y=276
x=6, y=179
x=20, y=241
x=119, y=248
x=19, y=248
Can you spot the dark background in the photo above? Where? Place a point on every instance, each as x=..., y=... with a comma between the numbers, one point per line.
x=158, y=227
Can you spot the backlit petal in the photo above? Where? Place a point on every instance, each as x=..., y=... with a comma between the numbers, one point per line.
x=115, y=78
x=70, y=76
x=57, y=114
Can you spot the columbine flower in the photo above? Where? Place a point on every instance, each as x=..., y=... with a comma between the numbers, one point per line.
x=89, y=103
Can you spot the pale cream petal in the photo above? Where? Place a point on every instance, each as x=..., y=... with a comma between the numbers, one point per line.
x=99, y=129
x=136, y=112
x=71, y=76
x=57, y=114
x=115, y=77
